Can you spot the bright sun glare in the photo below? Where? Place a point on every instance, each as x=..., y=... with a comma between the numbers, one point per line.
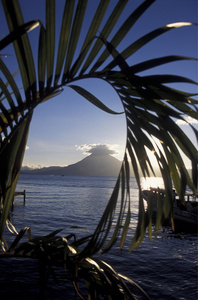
x=152, y=182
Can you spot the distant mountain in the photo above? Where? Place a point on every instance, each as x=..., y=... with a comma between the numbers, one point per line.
x=93, y=165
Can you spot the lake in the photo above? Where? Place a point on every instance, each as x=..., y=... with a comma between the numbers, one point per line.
x=165, y=268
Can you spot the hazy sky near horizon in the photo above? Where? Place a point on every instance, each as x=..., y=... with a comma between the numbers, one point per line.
x=64, y=128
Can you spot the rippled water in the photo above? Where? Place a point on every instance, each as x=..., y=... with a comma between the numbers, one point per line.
x=165, y=268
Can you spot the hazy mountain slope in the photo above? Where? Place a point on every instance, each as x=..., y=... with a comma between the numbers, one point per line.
x=93, y=165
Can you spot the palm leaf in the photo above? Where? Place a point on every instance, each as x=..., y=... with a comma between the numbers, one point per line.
x=21, y=30
x=10, y=101
x=11, y=157
x=106, y=30
x=11, y=82
x=22, y=48
x=121, y=33
x=150, y=106
x=91, y=98
x=42, y=60
x=98, y=17
x=64, y=37
x=137, y=45
x=50, y=39
x=75, y=32
x=152, y=63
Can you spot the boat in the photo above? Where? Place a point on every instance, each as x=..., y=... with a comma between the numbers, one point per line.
x=185, y=212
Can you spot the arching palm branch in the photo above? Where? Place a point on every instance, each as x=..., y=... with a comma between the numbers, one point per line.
x=150, y=106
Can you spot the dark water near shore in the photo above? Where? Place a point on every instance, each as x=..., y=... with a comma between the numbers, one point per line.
x=165, y=268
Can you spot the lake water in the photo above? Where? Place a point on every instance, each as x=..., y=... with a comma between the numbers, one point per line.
x=165, y=268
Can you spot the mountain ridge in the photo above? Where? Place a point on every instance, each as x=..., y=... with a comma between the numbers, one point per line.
x=92, y=165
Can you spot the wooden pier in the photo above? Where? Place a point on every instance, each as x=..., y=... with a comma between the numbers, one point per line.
x=19, y=194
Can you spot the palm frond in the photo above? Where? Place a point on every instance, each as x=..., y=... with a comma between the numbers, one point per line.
x=150, y=105
x=11, y=154
x=99, y=278
x=22, y=48
x=123, y=30
x=91, y=98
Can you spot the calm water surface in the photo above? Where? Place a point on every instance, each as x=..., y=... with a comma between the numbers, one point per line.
x=165, y=268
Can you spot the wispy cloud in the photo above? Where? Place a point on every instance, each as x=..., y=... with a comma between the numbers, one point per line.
x=99, y=149
x=32, y=166
x=186, y=121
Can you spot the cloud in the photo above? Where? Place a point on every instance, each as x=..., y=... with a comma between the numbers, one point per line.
x=31, y=166
x=98, y=149
x=26, y=148
x=186, y=121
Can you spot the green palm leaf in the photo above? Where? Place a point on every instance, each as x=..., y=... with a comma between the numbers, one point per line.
x=152, y=63
x=124, y=29
x=42, y=60
x=64, y=37
x=11, y=82
x=91, y=98
x=75, y=32
x=22, y=48
x=98, y=17
x=21, y=30
x=11, y=155
x=50, y=39
x=106, y=30
x=137, y=45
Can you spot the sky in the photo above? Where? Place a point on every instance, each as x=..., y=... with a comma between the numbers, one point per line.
x=65, y=129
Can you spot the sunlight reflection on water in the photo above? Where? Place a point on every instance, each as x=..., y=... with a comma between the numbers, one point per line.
x=166, y=267
x=152, y=182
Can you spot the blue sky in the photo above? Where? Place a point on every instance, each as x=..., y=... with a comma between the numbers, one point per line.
x=65, y=127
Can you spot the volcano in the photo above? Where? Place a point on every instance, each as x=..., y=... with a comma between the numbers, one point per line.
x=92, y=165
